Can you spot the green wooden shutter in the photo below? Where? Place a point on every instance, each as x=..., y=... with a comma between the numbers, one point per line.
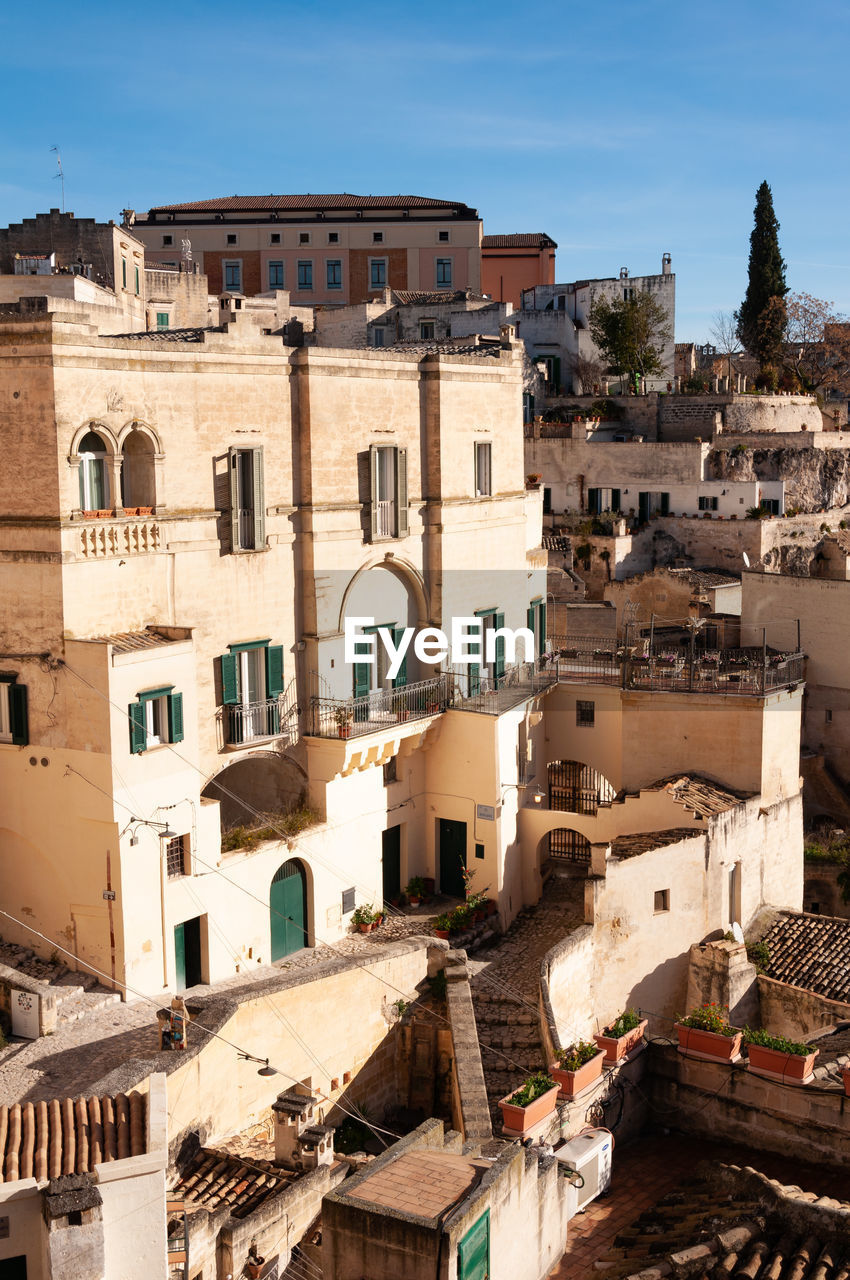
x=233, y=459
x=401, y=492
x=259, y=500
x=229, y=680
x=138, y=733
x=175, y=717
x=373, y=490
x=18, y=718
x=665, y=504
x=401, y=678
x=473, y=1253
x=499, y=663
x=274, y=670
x=361, y=679
x=531, y=618
x=593, y=501
x=615, y=499
x=541, y=639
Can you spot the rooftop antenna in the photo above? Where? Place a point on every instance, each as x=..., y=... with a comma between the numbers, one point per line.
x=186, y=252
x=60, y=175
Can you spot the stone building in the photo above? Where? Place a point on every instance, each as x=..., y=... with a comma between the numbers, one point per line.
x=512, y=263
x=324, y=249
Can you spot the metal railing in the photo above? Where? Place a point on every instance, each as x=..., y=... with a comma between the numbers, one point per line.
x=493, y=695
x=373, y=712
x=245, y=525
x=385, y=526
x=246, y=721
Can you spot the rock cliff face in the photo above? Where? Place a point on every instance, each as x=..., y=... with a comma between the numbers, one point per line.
x=815, y=479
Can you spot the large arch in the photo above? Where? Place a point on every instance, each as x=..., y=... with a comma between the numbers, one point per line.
x=576, y=787
x=263, y=782
x=288, y=920
x=565, y=844
x=406, y=572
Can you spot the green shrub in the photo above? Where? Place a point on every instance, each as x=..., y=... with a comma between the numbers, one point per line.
x=277, y=826
x=607, y=409
x=758, y=953
x=766, y=1041
x=534, y=1087
x=577, y=1055
x=363, y=915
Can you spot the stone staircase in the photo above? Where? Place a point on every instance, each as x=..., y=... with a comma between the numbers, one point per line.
x=506, y=992
x=76, y=994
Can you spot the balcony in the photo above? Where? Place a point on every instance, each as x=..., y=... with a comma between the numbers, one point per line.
x=247, y=722
x=493, y=696
x=100, y=538
x=374, y=712
x=385, y=519
x=750, y=671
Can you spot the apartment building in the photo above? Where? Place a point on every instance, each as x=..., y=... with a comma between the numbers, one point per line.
x=324, y=249
x=512, y=263
x=203, y=510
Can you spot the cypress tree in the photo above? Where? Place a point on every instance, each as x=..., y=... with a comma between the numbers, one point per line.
x=759, y=323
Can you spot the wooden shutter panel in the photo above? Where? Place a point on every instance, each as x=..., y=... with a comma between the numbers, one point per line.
x=274, y=670
x=138, y=733
x=474, y=1251
x=373, y=490
x=361, y=679
x=593, y=501
x=259, y=500
x=18, y=717
x=401, y=679
x=530, y=617
x=615, y=499
x=175, y=717
x=229, y=680
x=401, y=492
x=233, y=468
x=665, y=504
x=541, y=639
x=499, y=664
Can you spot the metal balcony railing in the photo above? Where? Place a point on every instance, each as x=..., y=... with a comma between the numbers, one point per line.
x=373, y=712
x=491, y=695
x=248, y=720
x=385, y=527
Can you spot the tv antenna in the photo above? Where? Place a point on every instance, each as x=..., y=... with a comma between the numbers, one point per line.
x=60, y=175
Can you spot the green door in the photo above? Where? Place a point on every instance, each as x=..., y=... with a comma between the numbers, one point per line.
x=391, y=863
x=452, y=857
x=288, y=908
x=187, y=953
x=473, y=1254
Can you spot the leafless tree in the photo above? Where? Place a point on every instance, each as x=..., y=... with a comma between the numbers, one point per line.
x=724, y=331
x=585, y=370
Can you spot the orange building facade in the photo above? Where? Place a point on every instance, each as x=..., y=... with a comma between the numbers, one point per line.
x=512, y=263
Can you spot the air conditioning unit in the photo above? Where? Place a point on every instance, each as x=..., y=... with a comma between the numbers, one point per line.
x=590, y=1156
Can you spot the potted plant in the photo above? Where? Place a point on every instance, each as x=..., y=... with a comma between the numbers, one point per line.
x=343, y=719
x=532, y=1102
x=460, y=918
x=254, y=1266
x=788, y=1060
x=415, y=890
x=532, y=481
x=707, y=1033
x=364, y=917
x=576, y=1068
x=622, y=1035
x=443, y=925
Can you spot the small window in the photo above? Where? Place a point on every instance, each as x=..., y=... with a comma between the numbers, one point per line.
x=155, y=718
x=771, y=506
x=814, y=908
x=390, y=770
x=275, y=275
x=377, y=273
x=378, y=337
x=443, y=277
x=305, y=275
x=483, y=487
x=443, y=237
x=175, y=856
x=274, y=237
x=662, y=900
x=162, y=319
x=707, y=504
x=586, y=713
x=426, y=330
x=628, y=295
x=333, y=237
x=334, y=269
x=827, y=716
x=348, y=900
x=14, y=725
x=303, y=237
x=232, y=238
x=479, y=850
x=377, y=237
x=138, y=281
x=167, y=241
x=75, y=1218
x=233, y=276
x=124, y=272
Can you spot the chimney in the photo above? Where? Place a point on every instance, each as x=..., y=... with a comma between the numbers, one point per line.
x=293, y=1112
x=506, y=335
x=666, y=264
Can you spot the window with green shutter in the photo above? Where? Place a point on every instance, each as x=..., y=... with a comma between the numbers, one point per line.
x=473, y=1251
x=14, y=720
x=155, y=718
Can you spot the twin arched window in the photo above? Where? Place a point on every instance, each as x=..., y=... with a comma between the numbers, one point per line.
x=94, y=480
x=138, y=478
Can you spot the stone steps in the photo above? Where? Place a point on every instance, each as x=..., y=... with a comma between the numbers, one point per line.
x=84, y=1004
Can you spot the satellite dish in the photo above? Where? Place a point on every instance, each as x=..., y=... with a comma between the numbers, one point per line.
x=736, y=931
x=746, y=559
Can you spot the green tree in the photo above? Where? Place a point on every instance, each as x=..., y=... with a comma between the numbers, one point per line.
x=631, y=334
x=760, y=318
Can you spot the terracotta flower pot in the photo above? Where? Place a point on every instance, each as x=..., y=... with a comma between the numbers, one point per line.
x=413, y=902
x=791, y=1068
x=344, y=730
x=364, y=928
x=572, y=1083
x=695, y=1043
x=616, y=1047
x=441, y=933
x=522, y=1119
x=492, y=906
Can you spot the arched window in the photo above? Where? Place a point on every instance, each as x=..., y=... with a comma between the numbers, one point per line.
x=138, y=481
x=94, y=479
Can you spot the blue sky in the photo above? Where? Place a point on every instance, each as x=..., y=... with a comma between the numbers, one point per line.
x=623, y=129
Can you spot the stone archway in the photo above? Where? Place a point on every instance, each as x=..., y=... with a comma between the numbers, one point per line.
x=576, y=787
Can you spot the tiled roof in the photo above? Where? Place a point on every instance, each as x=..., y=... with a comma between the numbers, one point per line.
x=434, y=297
x=697, y=794
x=48, y=1139
x=309, y=203
x=555, y=542
x=132, y=641
x=167, y=335
x=447, y=346
x=519, y=240
x=705, y=579
x=643, y=841
x=734, y=1222
x=812, y=952
x=220, y=1180
x=683, y=346
x=423, y=1183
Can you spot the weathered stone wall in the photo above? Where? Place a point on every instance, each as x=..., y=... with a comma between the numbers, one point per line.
x=720, y=973
x=816, y=480
x=821, y=890
x=795, y=1012
x=772, y=413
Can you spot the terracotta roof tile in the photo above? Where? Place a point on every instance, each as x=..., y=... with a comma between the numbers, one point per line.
x=699, y=795
x=644, y=841
x=310, y=203
x=419, y=1182
x=519, y=240
x=45, y=1140
x=220, y=1180
x=812, y=952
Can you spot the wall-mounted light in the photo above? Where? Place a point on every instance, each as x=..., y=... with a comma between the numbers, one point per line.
x=265, y=1069
x=162, y=829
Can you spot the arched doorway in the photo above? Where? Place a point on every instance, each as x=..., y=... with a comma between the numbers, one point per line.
x=288, y=909
x=569, y=846
x=575, y=787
